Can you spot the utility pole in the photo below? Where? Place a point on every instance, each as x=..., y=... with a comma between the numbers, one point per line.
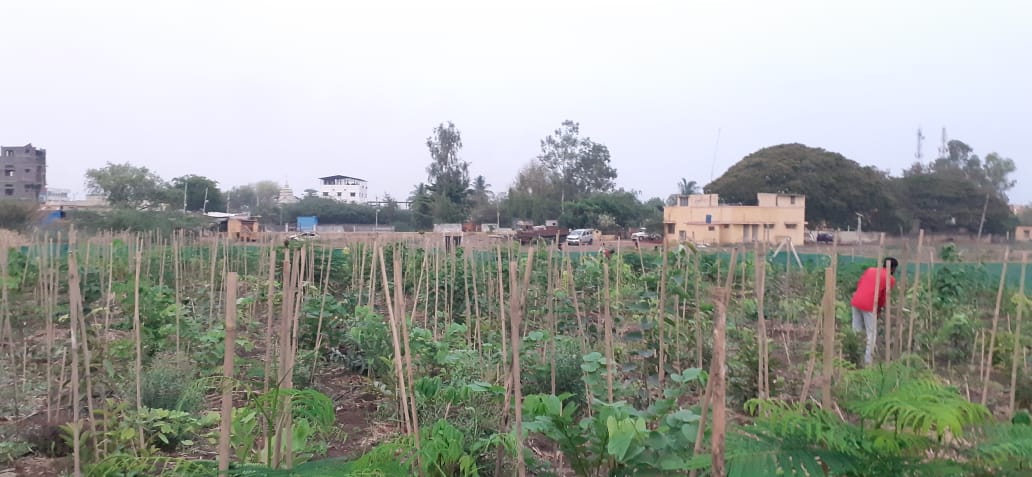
x=186, y=185
x=204, y=208
x=859, y=229
x=981, y=223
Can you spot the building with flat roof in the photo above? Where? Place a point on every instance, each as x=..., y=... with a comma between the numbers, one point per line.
x=701, y=218
x=24, y=173
x=344, y=189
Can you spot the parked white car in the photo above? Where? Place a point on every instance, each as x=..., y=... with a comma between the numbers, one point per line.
x=581, y=237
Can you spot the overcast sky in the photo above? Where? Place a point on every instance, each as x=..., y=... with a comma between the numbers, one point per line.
x=291, y=91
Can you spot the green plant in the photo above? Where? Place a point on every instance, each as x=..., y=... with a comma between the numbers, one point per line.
x=906, y=421
x=165, y=384
x=11, y=449
x=955, y=340
x=618, y=439
x=312, y=417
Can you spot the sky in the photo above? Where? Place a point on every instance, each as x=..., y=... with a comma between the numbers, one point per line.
x=242, y=91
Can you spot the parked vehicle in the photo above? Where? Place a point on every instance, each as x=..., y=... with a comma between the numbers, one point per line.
x=539, y=233
x=642, y=235
x=581, y=237
x=825, y=237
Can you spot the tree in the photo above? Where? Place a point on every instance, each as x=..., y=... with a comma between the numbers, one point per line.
x=201, y=193
x=940, y=202
x=836, y=188
x=259, y=198
x=534, y=195
x=484, y=204
x=950, y=193
x=580, y=165
x=447, y=175
x=126, y=185
x=687, y=187
x=608, y=211
x=422, y=207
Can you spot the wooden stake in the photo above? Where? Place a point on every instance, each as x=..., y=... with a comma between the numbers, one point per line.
x=75, y=317
x=829, y=336
x=1018, y=346
x=915, y=303
x=996, y=322
x=763, y=386
x=719, y=378
x=227, y=372
x=137, y=334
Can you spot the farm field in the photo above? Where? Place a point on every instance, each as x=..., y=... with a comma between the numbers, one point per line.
x=126, y=355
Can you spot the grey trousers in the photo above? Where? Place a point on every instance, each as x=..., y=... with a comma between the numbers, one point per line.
x=864, y=321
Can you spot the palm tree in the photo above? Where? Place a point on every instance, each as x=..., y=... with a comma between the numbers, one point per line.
x=688, y=187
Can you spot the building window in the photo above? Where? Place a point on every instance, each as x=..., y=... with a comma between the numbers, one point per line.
x=352, y=194
x=711, y=228
x=682, y=235
x=791, y=200
x=9, y=190
x=8, y=171
x=727, y=226
x=682, y=201
x=339, y=194
x=791, y=226
x=670, y=229
x=10, y=153
x=1028, y=233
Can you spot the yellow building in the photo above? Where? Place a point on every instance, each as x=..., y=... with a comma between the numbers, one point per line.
x=703, y=219
x=1023, y=234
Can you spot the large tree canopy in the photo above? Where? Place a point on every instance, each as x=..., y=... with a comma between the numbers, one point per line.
x=197, y=194
x=581, y=166
x=126, y=185
x=447, y=176
x=836, y=188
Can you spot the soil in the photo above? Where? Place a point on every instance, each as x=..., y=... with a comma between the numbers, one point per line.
x=356, y=402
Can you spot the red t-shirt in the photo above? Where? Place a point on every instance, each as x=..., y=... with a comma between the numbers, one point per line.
x=863, y=297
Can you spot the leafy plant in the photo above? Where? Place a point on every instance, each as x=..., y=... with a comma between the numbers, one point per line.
x=617, y=439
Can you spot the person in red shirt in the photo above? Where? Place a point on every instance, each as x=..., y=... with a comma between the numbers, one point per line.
x=874, y=281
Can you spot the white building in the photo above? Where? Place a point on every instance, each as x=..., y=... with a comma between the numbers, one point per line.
x=344, y=189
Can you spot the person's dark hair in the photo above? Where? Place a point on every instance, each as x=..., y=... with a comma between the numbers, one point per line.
x=892, y=263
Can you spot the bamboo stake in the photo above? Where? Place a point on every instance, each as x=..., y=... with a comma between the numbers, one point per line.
x=396, y=340
x=227, y=372
x=516, y=313
x=327, y=265
x=996, y=322
x=576, y=306
x=75, y=316
x=719, y=379
x=607, y=323
x=87, y=359
x=763, y=386
x=400, y=316
x=878, y=284
x=661, y=320
x=698, y=310
x=1018, y=346
x=915, y=303
x=829, y=336
x=137, y=334
x=269, y=310
x=292, y=347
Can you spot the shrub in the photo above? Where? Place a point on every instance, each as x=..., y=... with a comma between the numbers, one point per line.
x=166, y=384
